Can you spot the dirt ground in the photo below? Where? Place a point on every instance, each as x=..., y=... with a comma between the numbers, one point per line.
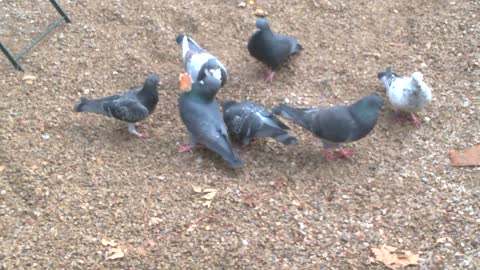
x=69, y=180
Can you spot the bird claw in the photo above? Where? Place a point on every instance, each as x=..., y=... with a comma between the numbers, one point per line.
x=414, y=119
x=344, y=153
x=328, y=154
x=185, y=148
x=269, y=75
x=141, y=136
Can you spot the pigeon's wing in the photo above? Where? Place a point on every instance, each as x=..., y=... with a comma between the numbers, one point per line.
x=289, y=42
x=126, y=109
x=334, y=124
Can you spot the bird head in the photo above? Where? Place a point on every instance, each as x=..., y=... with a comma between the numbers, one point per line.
x=262, y=24
x=152, y=80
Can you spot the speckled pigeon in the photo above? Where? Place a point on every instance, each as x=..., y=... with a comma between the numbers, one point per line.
x=338, y=124
x=201, y=115
x=199, y=62
x=270, y=48
x=406, y=94
x=132, y=106
x=247, y=120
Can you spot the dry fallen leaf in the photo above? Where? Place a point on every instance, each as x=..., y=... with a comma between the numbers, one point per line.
x=28, y=77
x=114, y=253
x=207, y=203
x=154, y=221
x=197, y=189
x=442, y=240
x=185, y=81
x=260, y=13
x=210, y=195
x=210, y=190
x=393, y=259
x=468, y=157
x=99, y=161
x=108, y=242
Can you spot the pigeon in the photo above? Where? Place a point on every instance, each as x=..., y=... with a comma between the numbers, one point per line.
x=247, y=120
x=199, y=62
x=338, y=124
x=201, y=115
x=132, y=106
x=270, y=48
x=406, y=94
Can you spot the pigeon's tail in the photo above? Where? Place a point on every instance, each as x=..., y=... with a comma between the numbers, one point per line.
x=292, y=114
x=234, y=162
x=89, y=105
x=286, y=139
x=297, y=48
x=386, y=76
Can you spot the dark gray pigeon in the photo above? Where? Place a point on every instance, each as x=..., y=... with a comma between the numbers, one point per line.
x=338, y=124
x=199, y=62
x=247, y=120
x=132, y=106
x=201, y=115
x=270, y=48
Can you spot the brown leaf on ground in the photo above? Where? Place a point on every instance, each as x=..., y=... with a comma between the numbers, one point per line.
x=393, y=259
x=197, y=189
x=468, y=157
x=260, y=13
x=114, y=253
x=210, y=195
x=108, y=242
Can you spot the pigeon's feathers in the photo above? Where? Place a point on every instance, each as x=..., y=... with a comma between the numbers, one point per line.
x=337, y=124
x=248, y=120
x=199, y=61
x=408, y=94
x=200, y=113
x=132, y=106
x=270, y=48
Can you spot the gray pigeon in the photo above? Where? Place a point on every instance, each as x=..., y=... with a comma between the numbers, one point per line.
x=201, y=115
x=132, y=106
x=199, y=62
x=247, y=120
x=270, y=48
x=338, y=124
x=406, y=94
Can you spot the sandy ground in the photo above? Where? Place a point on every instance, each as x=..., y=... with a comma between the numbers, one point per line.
x=69, y=180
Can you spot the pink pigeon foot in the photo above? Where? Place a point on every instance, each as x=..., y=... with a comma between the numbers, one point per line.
x=414, y=119
x=328, y=154
x=344, y=153
x=185, y=148
x=399, y=118
x=269, y=75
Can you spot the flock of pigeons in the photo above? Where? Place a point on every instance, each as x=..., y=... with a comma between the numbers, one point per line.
x=247, y=120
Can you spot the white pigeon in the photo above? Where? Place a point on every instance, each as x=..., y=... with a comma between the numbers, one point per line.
x=199, y=62
x=406, y=94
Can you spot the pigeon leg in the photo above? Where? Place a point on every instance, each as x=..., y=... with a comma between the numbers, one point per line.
x=414, y=119
x=344, y=153
x=139, y=125
x=399, y=117
x=328, y=154
x=185, y=148
x=133, y=130
x=269, y=75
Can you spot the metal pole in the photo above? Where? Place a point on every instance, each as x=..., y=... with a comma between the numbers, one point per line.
x=60, y=10
x=44, y=34
x=10, y=58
